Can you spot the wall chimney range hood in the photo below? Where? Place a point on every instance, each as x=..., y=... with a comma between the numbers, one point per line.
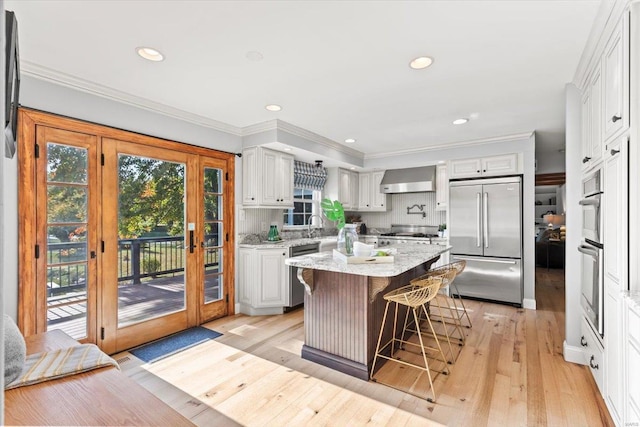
x=410, y=180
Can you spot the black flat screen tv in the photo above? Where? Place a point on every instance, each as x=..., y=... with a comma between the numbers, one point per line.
x=11, y=84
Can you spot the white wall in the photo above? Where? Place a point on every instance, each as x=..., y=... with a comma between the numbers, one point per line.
x=550, y=162
x=573, y=219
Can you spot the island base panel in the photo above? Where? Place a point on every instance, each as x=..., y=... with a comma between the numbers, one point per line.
x=342, y=324
x=349, y=367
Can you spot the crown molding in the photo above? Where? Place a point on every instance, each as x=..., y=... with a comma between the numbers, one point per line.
x=483, y=141
x=260, y=127
x=73, y=82
x=277, y=125
x=318, y=139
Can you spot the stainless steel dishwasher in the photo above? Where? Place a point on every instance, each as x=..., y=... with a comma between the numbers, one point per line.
x=296, y=289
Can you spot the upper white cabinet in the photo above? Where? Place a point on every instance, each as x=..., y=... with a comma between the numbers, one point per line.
x=615, y=64
x=370, y=199
x=267, y=178
x=594, y=153
x=442, y=188
x=342, y=185
x=506, y=164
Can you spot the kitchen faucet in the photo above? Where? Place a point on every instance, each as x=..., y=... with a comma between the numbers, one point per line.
x=310, y=221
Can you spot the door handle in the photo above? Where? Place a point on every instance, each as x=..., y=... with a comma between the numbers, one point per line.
x=583, y=342
x=614, y=152
x=588, y=251
x=192, y=244
x=493, y=261
x=615, y=118
x=589, y=202
x=593, y=365
x=479, y=221
x=485, y=219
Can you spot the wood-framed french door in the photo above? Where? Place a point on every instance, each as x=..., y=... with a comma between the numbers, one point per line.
x=215, y=238
x=66, y=229
x=149, y=284
x=124, y=238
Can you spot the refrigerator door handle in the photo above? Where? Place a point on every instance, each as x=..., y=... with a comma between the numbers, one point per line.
x=491, y=260
x=485, y=219
x=479, y=221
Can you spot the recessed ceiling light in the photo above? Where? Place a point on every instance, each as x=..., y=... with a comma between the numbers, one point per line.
x=352, y=168
x=287, y=149
x=349, y=140
x=254, y=56
x=273, y=107
x=460, y=121
x=150, y=54
x=421, y=62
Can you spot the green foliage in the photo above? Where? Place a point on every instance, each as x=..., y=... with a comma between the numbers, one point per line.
x=151, y=265
x=442, y=227
x=334, y=211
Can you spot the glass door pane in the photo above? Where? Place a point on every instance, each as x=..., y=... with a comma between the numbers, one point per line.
x=213, y=235
x=67, y=217
x=151, y=252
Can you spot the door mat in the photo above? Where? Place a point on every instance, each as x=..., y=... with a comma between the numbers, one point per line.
x=173, y=344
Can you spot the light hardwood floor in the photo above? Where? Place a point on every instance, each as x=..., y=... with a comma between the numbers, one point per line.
x=509, y=373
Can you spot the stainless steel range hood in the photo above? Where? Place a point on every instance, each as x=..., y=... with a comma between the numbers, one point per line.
x=410, y=180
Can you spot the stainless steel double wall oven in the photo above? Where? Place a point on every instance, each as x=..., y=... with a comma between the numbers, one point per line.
x=591, y=250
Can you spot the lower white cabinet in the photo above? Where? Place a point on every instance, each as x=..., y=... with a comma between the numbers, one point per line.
x=632, y=365
x=613, y=354
x=263, y=281
x=593, y=353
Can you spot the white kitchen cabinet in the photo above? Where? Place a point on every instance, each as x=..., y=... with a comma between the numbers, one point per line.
x=632, y=364
x=465, y=168
x=370, y=199
x=613, y=350
x=615, y=211
x=342, y=185
x=592, y=120
x=442, y=188
x=593, y=353
x=263, y=281
x=267, y=178
x=615, y=60
x=506, y=164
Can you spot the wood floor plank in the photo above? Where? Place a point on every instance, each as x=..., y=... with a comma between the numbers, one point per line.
x=510, y=372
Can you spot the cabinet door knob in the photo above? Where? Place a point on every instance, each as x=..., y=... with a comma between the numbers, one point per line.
x=484, y=170
x=615, y=118
x=614, y=152
x=586, y=159
x=478, y=171
x=583, y=342
x=593, y=365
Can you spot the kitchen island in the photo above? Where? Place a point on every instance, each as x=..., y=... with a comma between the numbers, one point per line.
x=344, y=304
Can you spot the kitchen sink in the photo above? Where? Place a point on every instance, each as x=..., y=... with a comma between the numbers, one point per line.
x=328, y=243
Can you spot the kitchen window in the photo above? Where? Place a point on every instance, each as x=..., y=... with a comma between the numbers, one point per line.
x=305, y=204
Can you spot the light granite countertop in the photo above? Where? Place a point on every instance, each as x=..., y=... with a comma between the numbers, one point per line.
x=288, y=243
x=407, y=257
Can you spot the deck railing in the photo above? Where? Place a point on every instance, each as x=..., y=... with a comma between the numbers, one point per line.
x=137, y=259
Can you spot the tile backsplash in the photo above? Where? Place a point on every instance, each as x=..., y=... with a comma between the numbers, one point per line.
x=398, y=213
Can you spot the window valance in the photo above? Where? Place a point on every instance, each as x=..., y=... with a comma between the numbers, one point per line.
x=308, y=176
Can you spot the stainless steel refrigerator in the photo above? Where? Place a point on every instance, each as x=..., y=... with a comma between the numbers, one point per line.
x=485, y=229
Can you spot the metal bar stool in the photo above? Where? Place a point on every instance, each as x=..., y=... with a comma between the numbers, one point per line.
x=413, y=296
x=462, y=312
x=437, y=310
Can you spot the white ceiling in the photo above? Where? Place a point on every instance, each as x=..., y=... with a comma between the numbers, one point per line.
x=339, y=69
